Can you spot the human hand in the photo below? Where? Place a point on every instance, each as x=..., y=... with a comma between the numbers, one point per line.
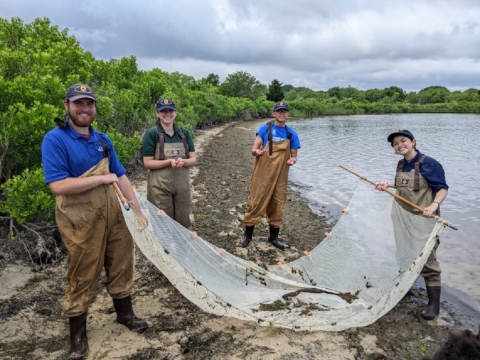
x=430, y=210
x=109, y=178
x=259, y=152
x=177, y=163
x=382, y=186
x=292, y=161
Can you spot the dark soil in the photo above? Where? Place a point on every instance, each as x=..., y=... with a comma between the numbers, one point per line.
x=220, y=195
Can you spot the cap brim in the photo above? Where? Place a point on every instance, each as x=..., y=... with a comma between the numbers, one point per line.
x=392, y=136
x=166, y=107
x=281, y=108
x=78, y=97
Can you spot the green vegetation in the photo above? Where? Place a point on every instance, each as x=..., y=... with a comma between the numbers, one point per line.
x=38, y=62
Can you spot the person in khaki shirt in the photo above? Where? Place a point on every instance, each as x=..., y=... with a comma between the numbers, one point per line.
x=421, y=180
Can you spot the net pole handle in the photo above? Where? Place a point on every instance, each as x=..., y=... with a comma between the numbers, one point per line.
x=124, y=201
x=444, y=222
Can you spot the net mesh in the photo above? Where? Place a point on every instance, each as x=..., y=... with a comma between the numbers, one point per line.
x=355, y=275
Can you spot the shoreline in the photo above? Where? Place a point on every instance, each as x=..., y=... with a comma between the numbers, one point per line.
x=180, y=330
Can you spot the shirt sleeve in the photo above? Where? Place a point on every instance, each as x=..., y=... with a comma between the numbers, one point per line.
x=54, y=159
x=188, y=137
x=116, y=166
x=149, y=142
x=433, y=171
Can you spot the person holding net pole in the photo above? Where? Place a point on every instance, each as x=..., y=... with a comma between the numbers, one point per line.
x=85, y=174
x=421, y=180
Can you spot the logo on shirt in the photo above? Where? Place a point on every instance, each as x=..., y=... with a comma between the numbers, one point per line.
x=100, y=148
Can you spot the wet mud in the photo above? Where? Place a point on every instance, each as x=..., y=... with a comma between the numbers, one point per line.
x=33, y=326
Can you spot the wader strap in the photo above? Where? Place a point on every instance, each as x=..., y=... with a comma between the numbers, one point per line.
x=270, y=136
x=106, y=150
x=184, y=141
x=416, y=179
x=161, y=148
x=161, y=142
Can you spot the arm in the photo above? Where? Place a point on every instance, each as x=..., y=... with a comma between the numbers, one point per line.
x=382, y=186
x=127, y=191
x=150, y=163
x=293, y=157
x=257, y=147
x=71, y=185
x=439, y=197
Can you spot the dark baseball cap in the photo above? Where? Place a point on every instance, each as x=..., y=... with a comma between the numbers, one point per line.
x=400, y=132
x=165, y=103
x=80, y=91
x=281, y=105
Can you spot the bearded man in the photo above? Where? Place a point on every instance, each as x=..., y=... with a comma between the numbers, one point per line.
x=80, y=166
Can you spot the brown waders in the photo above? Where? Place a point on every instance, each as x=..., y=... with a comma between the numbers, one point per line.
x=268, y=192
x=95, y=235
x=414, y=187
x=168, y=188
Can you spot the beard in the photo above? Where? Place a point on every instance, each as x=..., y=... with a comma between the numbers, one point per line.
x=81, y=121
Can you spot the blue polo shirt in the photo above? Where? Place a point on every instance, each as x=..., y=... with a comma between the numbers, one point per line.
x=431, y=169
x=279, y=133
x=65, y=153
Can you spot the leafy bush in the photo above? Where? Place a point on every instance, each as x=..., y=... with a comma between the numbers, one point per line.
x=28, y=198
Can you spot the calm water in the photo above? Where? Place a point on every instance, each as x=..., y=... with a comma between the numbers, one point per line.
x=359, y=143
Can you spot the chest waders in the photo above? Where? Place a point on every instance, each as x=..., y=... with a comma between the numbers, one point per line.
x=414, y=187
x=95, y=234
x=268, y=191
x=168, y=188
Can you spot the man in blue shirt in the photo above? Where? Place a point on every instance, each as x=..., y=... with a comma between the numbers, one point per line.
x=80, y=166
x=276, y=149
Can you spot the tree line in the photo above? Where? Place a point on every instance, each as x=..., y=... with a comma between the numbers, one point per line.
x=39, y=61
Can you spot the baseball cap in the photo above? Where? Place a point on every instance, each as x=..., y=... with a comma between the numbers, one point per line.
x=165, y=103
x=400, y=132
x=80, y=91
x=279, y=105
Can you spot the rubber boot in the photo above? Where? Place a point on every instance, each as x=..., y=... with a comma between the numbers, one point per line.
x=248, y=236
x=433, y=307
x=273, y=238
x=125, y=315
x=78, y=336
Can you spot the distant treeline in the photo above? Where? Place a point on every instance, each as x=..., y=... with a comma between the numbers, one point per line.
x=38, y=62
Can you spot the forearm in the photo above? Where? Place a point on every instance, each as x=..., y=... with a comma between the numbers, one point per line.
x=71, y=186
x=153, y=164
x=440, y=196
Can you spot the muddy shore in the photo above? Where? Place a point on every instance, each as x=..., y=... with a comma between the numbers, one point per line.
x=33, y=326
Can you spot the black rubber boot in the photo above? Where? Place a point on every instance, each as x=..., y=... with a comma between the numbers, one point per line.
x=433, y=307
x=248, y=236
x=125, y=315
x=273, y=238
x=78, y=336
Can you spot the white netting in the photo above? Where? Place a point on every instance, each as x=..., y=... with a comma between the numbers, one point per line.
x=354, y=276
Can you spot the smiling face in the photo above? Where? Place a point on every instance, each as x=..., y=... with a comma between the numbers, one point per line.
x=82, y=113
x=166, y=116
x=280, y=116
x=404, y=146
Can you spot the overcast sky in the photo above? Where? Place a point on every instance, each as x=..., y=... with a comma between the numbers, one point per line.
x=313, y=43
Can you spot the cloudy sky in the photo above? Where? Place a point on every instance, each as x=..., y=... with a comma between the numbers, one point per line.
x=313, y=43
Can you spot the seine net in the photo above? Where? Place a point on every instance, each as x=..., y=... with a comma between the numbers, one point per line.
x=355, y=275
